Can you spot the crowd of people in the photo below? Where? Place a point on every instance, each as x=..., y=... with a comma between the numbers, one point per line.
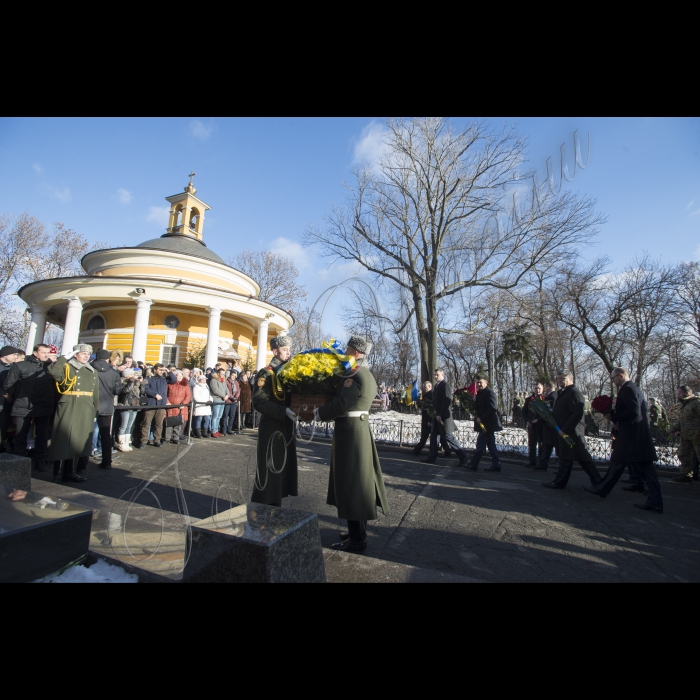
x=63, y=410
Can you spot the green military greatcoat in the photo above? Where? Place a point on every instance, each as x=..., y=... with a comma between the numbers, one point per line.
x=356, y=484
x=75, y=413
x=275, y=430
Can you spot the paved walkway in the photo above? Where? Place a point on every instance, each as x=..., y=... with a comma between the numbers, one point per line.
x=444, y=523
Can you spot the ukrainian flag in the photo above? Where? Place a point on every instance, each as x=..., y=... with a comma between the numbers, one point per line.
x=415, y=392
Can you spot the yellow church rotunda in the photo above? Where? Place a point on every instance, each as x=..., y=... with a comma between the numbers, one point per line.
x=160, y=299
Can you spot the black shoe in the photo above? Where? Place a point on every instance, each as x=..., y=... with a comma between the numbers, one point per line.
x=57, y=479
x=137, y=445
x=464, y=464
x=428, y=460
x=552, y=485
x=633, y=487
x=344, y=536
x=648, y=506
x=416, y=452
x=350, y=546
x=175, y=442
x=473, y=467
x=492, y=469
x=74, y=476
x=530, y=465
x=595, y=490
x=104, y=466
x=540, y=469
x=157, y=444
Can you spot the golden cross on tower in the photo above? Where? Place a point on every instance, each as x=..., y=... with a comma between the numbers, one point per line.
x=192, y=174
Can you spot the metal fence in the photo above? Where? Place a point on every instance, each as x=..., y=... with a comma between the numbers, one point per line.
x=513, y=440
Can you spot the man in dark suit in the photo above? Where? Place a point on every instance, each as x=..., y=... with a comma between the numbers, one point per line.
x=487, y=415
x=443, y=425
x=633, y=444
x=570, y=414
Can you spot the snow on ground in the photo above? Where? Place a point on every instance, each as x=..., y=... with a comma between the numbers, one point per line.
x=100, y=572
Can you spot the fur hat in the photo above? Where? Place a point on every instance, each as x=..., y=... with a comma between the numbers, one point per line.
x=127, y=372
x=281, y=341
x=360, y=344
x=82, y=347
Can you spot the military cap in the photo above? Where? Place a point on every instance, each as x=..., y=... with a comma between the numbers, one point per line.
x=360, y=344
x=281, y=341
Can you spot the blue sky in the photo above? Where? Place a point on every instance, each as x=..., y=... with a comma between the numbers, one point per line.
x=267, y=179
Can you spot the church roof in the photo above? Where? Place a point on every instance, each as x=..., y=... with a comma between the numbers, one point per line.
x=184, y=244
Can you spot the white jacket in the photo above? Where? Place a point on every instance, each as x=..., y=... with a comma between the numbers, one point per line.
x=201, y=394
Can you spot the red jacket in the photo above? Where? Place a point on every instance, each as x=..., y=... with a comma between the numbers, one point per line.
x=179, y=392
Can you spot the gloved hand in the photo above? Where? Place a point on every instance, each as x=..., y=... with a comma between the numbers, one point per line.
x=291, y=415
x=70, y=354
x=316, y=414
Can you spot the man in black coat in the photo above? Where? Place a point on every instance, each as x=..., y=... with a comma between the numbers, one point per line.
x=110, y=386
x=549, y=435
x=533, y=425
x=487, y=415
x=425, y=424
x=443, y=425
x=633, y=444
x=8, y=357
x=32, y=391
x=570, y=414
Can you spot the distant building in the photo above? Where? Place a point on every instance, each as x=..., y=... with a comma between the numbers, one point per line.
x=159, y=299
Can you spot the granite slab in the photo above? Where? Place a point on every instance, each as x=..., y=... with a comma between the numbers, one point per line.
x=40, y=535
x=256, y=543
x=15, y=471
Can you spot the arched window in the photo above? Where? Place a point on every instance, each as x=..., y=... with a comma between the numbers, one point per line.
x=171, y=321
x=96, y=323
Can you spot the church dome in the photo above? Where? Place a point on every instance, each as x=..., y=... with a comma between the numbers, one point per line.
x=183, y=244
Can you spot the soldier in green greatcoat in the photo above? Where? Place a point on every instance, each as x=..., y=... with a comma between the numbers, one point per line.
x=78, y=387
x=356, y=484
x=273, y=481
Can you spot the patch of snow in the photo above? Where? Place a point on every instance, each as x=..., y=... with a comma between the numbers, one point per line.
x=100, y=572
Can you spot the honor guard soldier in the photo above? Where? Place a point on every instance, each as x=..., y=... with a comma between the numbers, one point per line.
x=276, y=475
x=356, y=484
x=79, y=388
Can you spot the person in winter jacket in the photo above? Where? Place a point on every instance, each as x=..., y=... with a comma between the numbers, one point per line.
x=178, y=393
x=110, y=388
x=32, y=391
x=219, y=392
x=129, y=396
x=156, y=389
x=202, y=408
x=8, y=357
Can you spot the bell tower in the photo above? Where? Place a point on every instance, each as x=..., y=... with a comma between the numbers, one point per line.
x=186, y=213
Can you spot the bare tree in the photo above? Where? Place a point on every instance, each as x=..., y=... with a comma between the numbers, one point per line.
x=28, y=253
x=275, y=274
x=421, y=220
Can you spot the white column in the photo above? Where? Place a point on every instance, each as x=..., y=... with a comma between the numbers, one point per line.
x=143, y=310
x=261, y=359
x=71, y=328
x=36, y=327
x=212, y=350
